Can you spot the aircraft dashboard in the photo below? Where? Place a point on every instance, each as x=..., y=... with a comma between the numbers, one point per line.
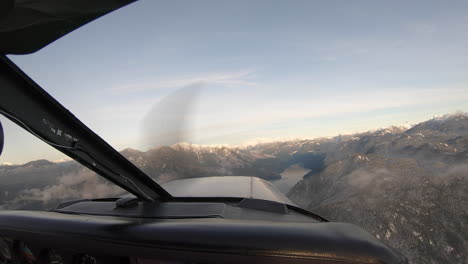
x=176, y=232
x=16, y=251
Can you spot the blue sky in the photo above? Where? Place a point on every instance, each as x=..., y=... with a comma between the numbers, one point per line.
x=266, y=69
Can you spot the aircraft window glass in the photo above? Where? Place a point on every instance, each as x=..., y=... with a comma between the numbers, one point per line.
x=31, y=181
x=355, y=110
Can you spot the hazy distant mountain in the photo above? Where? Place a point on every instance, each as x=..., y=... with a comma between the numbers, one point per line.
x=406, y=185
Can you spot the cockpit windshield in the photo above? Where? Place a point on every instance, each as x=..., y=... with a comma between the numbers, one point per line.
x=352, y=109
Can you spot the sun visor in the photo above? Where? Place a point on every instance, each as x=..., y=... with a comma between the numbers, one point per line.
x=27, y=26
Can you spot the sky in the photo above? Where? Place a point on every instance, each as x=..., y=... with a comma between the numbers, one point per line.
x=241, y=72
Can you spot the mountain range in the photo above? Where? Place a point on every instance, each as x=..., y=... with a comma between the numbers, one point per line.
x=408, y=186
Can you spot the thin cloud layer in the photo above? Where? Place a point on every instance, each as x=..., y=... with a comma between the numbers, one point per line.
x=241, y=78
x=82, y=184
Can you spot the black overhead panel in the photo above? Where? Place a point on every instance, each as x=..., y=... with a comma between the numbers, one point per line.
x=27, y=26
x=28, y=105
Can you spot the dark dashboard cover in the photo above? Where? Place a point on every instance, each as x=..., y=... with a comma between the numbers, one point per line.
x=208, y=236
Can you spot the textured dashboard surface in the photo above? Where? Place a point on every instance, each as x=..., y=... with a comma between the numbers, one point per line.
x=203, y=239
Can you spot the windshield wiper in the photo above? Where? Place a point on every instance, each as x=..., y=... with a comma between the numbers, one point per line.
x=24, y=102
